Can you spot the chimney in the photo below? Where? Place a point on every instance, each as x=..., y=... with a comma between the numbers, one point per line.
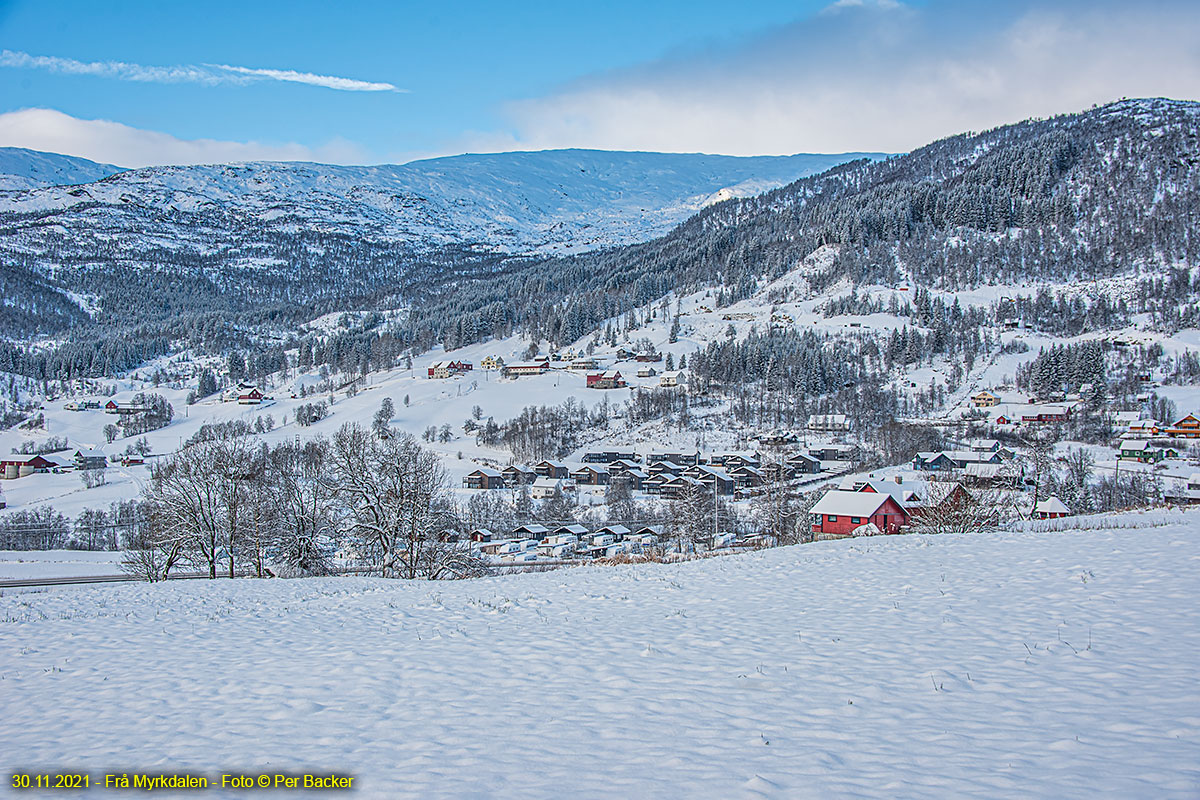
x=898, y=479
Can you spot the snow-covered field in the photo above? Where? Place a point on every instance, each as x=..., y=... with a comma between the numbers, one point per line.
x=57, y=563
x=1025, y=664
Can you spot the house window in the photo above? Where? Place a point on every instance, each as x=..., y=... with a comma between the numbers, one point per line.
x=855, y=520
x=833, y=517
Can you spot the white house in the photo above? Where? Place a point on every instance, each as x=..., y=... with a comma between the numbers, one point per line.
x=544, y=488
x=672, y=378
x=828, y=422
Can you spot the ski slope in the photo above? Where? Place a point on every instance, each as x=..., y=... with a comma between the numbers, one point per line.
x=1023, y=664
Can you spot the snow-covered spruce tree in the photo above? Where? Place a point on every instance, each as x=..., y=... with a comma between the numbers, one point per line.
x=383, y=417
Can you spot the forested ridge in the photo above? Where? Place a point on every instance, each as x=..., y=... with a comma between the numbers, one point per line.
x=1105, y=193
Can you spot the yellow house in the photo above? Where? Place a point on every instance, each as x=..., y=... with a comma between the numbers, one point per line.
x=985, y=399
x=492, y=362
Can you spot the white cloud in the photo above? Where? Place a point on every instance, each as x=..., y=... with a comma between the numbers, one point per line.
x=114, y=143
x=874, y=75
x=207, y=74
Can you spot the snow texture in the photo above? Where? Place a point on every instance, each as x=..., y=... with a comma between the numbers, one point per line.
x=1025, y=664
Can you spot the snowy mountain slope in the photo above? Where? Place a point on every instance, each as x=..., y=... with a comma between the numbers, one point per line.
x=164, y=241
x=1040, y=665
x=525, y=202
x=1091, y=196
x=22, y=169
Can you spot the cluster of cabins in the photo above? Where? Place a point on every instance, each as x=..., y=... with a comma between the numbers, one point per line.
x=19, y=466
x=1134, y=427
x=596, y=378
x=1024, y=410
x=1016, y=411
x=1148, y=441
x=982, y=462
x=533, y=542
x=668, y=474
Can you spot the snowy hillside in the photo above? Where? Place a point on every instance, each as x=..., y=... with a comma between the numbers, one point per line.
x=525, y=202
x=1040, y=665
x=22, y=169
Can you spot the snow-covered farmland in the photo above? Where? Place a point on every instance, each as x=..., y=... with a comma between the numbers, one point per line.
x=1026, y=664
x=58, y=563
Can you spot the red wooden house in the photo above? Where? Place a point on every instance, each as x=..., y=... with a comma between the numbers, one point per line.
x=840, y=513
x=610, y=379
x=18, y=466
x=448, y=369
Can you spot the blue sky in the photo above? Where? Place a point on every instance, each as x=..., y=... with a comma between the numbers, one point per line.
x=368, y=82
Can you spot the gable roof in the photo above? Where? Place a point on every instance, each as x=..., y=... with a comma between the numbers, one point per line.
x=1051, y=505
x=854, y=504
x=909, y=493
x=982, y=470
x=488, y=471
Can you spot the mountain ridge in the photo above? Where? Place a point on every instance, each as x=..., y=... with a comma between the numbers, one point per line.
x=516, y=203
x=22, y=169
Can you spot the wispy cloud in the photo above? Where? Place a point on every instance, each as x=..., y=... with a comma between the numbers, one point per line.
x=207, y=74
x=291, y=76
x=114, y=143
x=873, y=75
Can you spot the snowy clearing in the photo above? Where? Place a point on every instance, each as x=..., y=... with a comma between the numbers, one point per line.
x=1024, y=664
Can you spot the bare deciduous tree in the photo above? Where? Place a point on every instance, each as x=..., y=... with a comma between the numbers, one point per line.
x=950, y=510
x=393, y=491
